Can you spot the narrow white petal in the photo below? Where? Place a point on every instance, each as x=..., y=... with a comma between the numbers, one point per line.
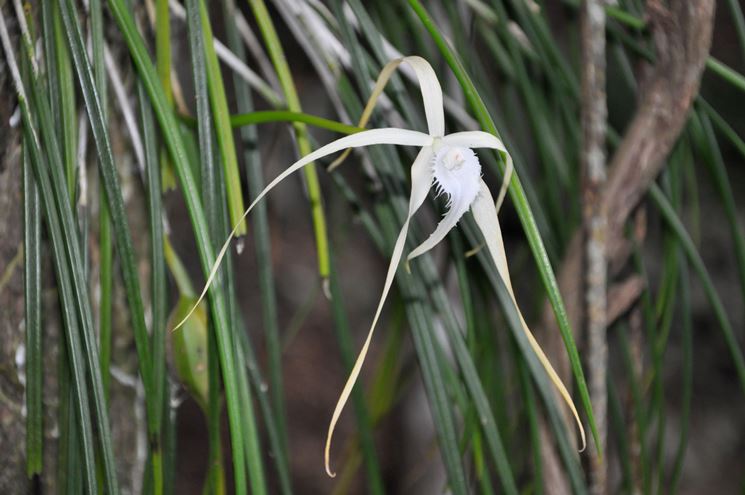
x=474, y=139
x=421, y=178
x=431, y=97
x=428, y=84
x=485, y=215
x=431, y=94
x=364, y=138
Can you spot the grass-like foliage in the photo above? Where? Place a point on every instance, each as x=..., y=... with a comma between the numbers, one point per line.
x=470, y=101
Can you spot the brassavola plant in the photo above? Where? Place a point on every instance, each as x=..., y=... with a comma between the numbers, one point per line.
x=446, y=162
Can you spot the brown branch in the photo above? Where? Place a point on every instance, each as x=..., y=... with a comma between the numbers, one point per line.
x=682, y=35
x=681, y=32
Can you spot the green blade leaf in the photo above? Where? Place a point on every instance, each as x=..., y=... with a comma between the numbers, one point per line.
x=32, y=301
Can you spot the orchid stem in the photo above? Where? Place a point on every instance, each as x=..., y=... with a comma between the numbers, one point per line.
x=274, y=47
x=273, y=116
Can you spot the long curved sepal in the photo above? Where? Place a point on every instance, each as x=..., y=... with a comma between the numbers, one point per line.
x=486, y=218
x=421, y=179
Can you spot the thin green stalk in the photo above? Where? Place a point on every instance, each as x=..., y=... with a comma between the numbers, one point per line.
x=525, y=214
x=215, y=470
x=270, y=423
x=261, y=117
x=163, y=46
x=32, y=305
x=163, y=63
x=48, y=11
x=66, y=101
x=252, y=445
x=75, y=479
x=69, y=460
x=158, y=291
x=198, y=35
x=727, y=73
x=687, y=373
x=223, y=130
x=105, y=245
x=276, y=53
x=106, y=268
x=251, y=436
x=215, y=481
x=170, y=444
x=531, y=409
x=440, y=402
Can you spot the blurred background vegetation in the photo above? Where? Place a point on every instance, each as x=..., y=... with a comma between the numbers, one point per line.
x=140, y=132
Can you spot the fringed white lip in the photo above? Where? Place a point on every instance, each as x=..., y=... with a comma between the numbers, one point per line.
x=448, y=162
x=457, y=175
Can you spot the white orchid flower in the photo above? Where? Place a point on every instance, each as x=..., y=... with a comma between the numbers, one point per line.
x=449, y=163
